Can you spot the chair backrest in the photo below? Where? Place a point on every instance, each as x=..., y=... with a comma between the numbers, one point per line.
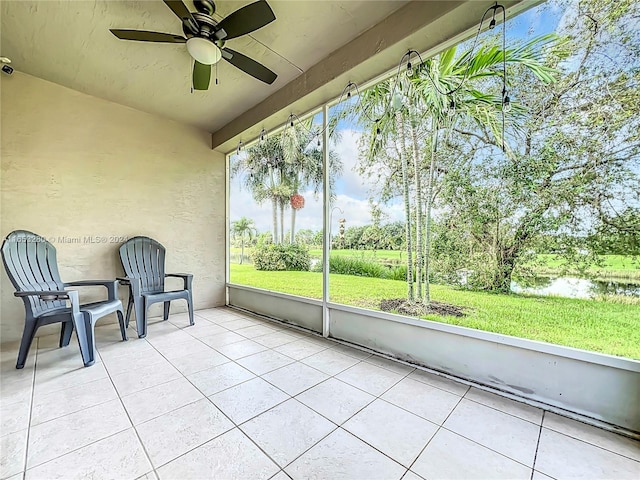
x=143, y=258
x=31, y=264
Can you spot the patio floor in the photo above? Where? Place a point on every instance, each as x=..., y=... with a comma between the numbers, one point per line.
x=235, y=397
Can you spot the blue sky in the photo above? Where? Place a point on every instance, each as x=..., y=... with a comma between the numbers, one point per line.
x=351, y=188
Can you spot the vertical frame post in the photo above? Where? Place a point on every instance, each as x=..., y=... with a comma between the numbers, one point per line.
x=326, y=230
x=227, y=227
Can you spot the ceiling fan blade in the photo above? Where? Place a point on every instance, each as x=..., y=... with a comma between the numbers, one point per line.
x=245, y=20
x=201, y=76
x=182, y=12
x=248, y=65
x=144, y=36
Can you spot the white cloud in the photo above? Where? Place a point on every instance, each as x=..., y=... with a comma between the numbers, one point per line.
x=347, y=150
x=357, y=212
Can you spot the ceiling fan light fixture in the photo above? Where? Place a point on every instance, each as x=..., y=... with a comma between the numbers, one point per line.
x=203, y=50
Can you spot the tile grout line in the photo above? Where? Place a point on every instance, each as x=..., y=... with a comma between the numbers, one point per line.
x=62, y=416
x=445, y=376
x=434, y=435
x=33, y=391
x=144, y=449
x=535, y=455
x=101, y=402
x=108, y=436
x=485, y=446
x=373, y=353
x=502, y=411
x=442, y=427
x=359, y=361
x=340, y=426
x=235, y=425
x=429, y=385
x=582, y=440
x=406, y=375
x=80, y=448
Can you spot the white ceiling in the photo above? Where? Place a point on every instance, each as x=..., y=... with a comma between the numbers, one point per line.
x=68, y=42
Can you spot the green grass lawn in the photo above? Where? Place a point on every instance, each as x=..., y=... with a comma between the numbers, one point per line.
x=611, y=262
x=601, y=326
x=614, y=266
x=622, y=266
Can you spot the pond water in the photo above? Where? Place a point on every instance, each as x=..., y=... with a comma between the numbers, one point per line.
x=575, y=287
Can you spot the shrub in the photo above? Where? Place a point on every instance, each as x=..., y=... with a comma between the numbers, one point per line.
x=281, y=257
x=356, y=266
x=397, y=273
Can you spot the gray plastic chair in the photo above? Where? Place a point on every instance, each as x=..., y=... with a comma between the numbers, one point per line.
x=31, y=264
x=143, y=262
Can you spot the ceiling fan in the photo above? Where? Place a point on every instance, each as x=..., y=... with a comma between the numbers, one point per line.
x=206, y=38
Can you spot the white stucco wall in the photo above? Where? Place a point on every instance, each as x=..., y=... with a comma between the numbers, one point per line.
x=77, y=166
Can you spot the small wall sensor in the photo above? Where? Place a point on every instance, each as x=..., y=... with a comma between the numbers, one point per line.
x=5, y=67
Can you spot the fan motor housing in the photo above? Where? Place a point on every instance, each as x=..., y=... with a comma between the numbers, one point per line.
x=205, y=6
x=206, y=26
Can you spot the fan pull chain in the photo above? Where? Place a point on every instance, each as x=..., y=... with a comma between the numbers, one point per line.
x=217, y=73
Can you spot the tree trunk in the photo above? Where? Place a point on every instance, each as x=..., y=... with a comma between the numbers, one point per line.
x=427, y=262
x=407, y=203
x=281, y=222
x=241, y=249
x=417, y=180
x=507, y=256
x=274, y=205
x=292, y=236
x=502, y=278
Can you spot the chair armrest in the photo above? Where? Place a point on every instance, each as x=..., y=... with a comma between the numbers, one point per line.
x=45, y=295
x=110, y=285
x=71, y=295
x=84, y=283
x=186, y=277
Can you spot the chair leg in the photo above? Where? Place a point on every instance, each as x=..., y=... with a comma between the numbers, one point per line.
x=129, y=305
x=65, y=333
x=86, y=338
x=28, y=333
x=123, y=328
x=140, y=306
x=190, y=306
x=167, y=305
x=141, y=316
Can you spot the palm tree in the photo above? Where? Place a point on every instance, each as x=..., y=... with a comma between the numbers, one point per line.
x=387, y=136
x=426, y=108
x=302, y=150
x=282, y=165
x=303, y=159
x=404, y=160
x=243, y=228
x=482, y=70
x=263, y=173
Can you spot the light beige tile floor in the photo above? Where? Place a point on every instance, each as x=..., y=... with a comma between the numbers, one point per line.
x=237, y=397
